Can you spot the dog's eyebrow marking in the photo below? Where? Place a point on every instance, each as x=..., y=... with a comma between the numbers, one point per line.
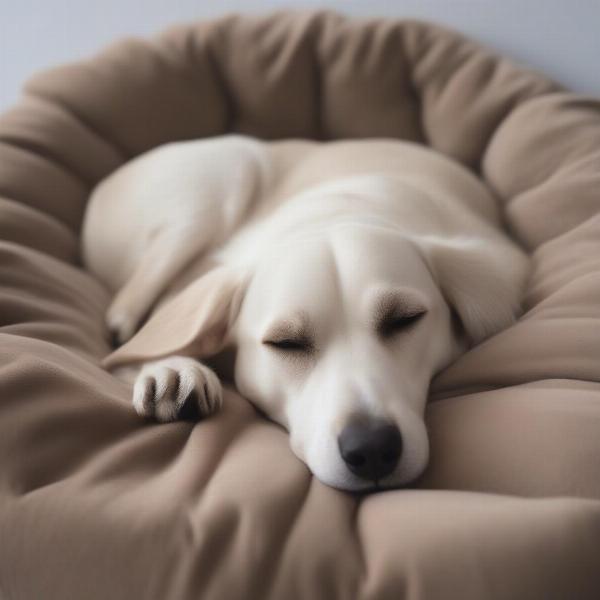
x=395, y=303
x=296, y=327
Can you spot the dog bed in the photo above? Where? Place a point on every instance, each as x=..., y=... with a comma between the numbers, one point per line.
x=96, y=504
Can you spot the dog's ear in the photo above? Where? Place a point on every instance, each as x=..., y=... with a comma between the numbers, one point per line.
x=481, y=280
x=193, y=323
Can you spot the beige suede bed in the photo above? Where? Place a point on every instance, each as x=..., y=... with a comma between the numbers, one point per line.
x=97, y=504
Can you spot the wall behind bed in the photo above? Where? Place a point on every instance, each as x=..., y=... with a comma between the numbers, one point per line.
x=558, y=37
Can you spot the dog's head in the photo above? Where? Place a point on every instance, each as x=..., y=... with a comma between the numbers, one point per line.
x=338, y=335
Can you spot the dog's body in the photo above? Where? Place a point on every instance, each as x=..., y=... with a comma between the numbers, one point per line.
x=332, y=269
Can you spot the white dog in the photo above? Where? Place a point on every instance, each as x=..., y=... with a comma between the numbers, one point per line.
x=344, y=276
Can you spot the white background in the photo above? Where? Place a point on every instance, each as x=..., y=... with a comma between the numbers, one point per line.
x=558, y=37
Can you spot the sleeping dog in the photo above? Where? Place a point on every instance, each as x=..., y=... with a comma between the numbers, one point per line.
x=341, y=276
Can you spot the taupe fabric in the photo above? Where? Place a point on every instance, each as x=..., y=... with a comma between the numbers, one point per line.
x=96, y=504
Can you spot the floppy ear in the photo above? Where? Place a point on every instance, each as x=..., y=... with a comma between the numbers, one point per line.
x=482, y=280
x=193, y=323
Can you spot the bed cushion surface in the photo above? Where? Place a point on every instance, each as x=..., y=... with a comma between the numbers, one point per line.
x=96, y=503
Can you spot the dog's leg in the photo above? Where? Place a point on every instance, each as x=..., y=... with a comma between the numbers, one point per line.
x=199, y=222
x=164, y=258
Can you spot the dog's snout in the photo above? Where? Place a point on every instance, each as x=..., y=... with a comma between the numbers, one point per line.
x=370, y=449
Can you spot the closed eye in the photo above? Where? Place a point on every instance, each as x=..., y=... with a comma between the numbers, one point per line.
x=394, y=324
x=290, y=335
x=290, y=345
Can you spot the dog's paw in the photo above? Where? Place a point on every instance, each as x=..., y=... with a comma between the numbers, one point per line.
x=176, y=388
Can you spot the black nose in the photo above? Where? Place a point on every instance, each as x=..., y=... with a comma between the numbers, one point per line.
x=370, y=449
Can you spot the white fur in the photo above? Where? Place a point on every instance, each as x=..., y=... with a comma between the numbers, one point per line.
x=162, y=387
x=306, y=234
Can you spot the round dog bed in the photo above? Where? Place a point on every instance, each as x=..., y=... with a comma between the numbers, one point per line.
x=95, y=503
